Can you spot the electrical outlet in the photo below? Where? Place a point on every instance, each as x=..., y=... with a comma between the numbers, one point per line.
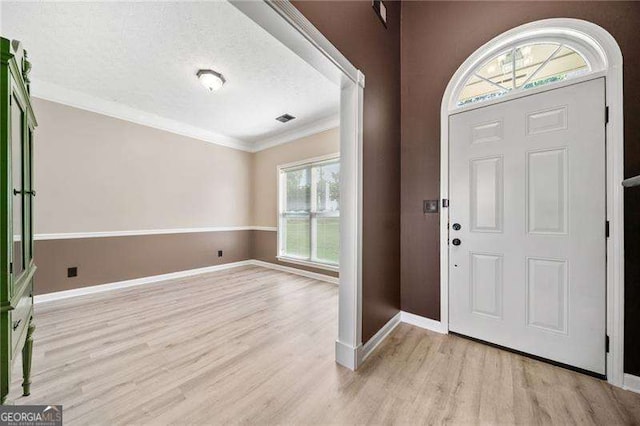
x=72, y=272
x=219, y=253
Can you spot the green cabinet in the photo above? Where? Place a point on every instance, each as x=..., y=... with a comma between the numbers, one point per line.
x=17, y=123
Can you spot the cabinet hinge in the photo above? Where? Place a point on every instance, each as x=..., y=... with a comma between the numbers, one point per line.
x=606, y=229
x=445, y=202
x=606, y=343
x=606, y=115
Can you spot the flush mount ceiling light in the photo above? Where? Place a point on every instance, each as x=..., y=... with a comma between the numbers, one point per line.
x=211, y=80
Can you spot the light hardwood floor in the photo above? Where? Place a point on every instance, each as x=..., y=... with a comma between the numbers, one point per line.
x=253, y=345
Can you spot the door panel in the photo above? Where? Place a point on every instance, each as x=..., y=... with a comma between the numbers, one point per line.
x=547, y=294
x=486, y=284
x=527, y=186
x=547, y=191
x=486, y=194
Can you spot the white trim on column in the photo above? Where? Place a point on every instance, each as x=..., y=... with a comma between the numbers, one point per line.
x=606, y=59
x=631, y=383
x=284, y=22
x=103, y=234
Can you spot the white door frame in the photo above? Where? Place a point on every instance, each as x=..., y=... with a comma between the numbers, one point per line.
x=605, y=57
x=284, y=22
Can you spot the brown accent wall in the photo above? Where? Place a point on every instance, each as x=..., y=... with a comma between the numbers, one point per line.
x=112, y=259
x=436, y=38
x=354, y=28
x=264, y=246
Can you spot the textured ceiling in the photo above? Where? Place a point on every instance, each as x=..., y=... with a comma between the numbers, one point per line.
x=145, y=55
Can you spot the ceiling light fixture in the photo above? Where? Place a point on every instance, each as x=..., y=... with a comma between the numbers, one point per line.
x=211, y=80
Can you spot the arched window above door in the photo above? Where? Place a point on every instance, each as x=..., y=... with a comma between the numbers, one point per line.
x=521, y=67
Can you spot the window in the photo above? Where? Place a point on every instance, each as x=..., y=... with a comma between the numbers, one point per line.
x=309, y=223
x=520, y=68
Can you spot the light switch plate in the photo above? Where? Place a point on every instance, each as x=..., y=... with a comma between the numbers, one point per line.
x=431, y=206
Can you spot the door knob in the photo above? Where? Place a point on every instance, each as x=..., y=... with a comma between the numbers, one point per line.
x=457, y=226
x=456, y=242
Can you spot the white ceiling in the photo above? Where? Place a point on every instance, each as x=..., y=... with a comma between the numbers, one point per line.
x=138, y=60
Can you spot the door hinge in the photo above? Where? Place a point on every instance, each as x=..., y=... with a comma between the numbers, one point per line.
x=445, y=202
x=606, y=229
x=606, y=115
x=606, y=343
x=11, y=268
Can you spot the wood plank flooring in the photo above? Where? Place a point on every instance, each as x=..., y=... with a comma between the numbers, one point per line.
x=255, y=346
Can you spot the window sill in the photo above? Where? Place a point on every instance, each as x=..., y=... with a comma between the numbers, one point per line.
x=308, y=263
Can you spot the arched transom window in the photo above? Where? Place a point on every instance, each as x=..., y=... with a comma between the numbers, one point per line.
x=520, y=68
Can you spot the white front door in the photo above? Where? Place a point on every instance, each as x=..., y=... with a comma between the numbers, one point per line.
x=527, y=192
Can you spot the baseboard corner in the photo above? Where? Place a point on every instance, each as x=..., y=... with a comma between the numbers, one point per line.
x=347, y=356
x=631, y=383
x=378, y=338
x=423, y=322
x=291, y=270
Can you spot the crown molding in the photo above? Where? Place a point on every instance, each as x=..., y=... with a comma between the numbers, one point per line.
x=62, y=95
x=73, y=98
x=300, y=132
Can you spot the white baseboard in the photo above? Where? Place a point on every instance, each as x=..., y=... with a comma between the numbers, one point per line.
x=346, y=355
x=59, y=295
x=374, y=342
x=423, y=322
x=631, y=382
x=308, y=274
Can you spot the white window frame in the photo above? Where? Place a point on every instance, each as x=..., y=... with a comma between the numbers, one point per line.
x=592, y=63
x=312, y=261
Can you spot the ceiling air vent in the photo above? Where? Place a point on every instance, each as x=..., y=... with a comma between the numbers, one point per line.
x=285, y=117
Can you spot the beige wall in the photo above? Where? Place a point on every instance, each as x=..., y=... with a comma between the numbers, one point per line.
x=97, y=173
x=265, y=163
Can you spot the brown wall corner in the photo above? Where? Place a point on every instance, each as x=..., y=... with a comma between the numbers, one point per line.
x=354, y=28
